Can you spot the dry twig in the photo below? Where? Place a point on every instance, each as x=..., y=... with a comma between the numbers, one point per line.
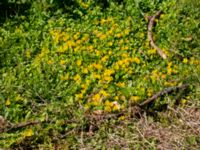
x=163, y=92
x=29, y=123
x=150, y=34
x=96, y=119
x=18, y=126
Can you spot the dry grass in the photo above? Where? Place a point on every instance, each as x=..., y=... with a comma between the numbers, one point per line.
x=179, y=130
x=174, y=136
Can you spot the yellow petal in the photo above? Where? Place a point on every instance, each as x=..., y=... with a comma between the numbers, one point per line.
x=8, y=102
x=28, y=133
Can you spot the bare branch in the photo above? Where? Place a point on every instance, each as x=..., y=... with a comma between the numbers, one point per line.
x=18, y=126
x=163, y=92
x=150, y=34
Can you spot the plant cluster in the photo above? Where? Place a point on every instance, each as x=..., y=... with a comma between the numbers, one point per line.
x=54, y=66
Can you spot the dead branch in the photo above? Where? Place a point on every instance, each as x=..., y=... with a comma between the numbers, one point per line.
x=161, y=93
x=96, y=119
x=150, y=34
x=18, y=126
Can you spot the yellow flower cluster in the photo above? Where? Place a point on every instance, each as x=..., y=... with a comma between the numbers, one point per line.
x=104, y=57
x=111, y=106
x=98, y=71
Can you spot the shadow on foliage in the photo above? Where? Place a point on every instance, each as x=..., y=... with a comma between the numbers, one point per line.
x=8, y=10
x=69, y=6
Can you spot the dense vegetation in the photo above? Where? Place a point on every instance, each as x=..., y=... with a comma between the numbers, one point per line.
x=63, y=62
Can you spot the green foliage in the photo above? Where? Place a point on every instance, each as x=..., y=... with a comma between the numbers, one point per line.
x=65, y=58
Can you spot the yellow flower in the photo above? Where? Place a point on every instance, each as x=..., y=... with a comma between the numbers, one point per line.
x=70, y=44
x=169, y=64
x=28, y=133
x=98, y=53
x=105, y=86
x=102, y=37
x=104, y=93
x=134, y=98
x=8, y=102
x=110, y=43
x=76, y=36
x=136, y=60
x=62, y=62
x=18, y=97
x=96, y=98
x=126, y=62
x=116, y=98
x=104, y=59
x=85, y=37
x=108, y=78
x=94, y=40
x=62, y=49
x=151, y=51
x=96, y=76
x=185, y=60
x=108, y=103
x=120, y=62
x=169, y=70
x=120, y=84
x=28, y=54
x=149, y=92
x=77, y=78
x=90, y=48
x=116, y=66
x=125, y=55
x=64, y=77
x=108, y=72
x=78, y=42
x=163, y=76
x=107, y=108
x=166, y=83
x=121, y=42
x=162, y=16
x=110, y=52
x=97, y=66
x=56, y=38
x=122, y=118
x=85, y=71
x=78, y=62
x=127, y=31
x=125, y=48
x=87, y=82
x=124, y=66
x=79, y=96
x=83, y=91
x=116, y=106
x=86, y=107
x=50, y=62
x=119, y=35
x=110, y=32
x=183, y=101
x=84, y=5
x=103, y=21
x=95, y=103
x=65, y=37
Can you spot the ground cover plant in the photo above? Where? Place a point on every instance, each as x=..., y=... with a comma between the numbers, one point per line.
x=83, y=74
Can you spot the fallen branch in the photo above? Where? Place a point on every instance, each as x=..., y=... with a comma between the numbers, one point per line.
x=150, y=34
x=30, y=123
x=161, y=93
x=96, y=119
x=18, y=126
